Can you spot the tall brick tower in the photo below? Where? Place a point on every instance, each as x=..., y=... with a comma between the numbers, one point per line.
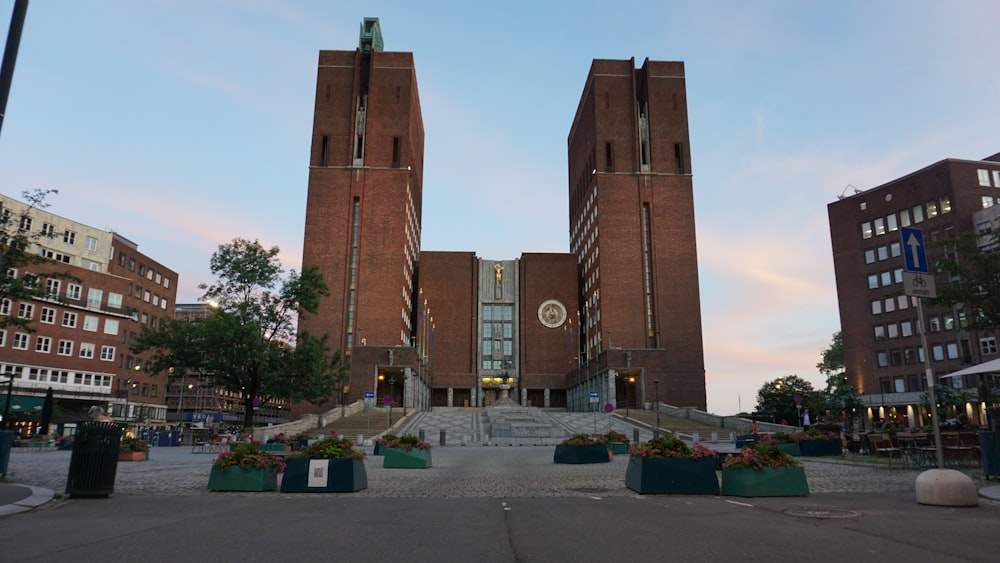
x=363, y=210
x=631, y=211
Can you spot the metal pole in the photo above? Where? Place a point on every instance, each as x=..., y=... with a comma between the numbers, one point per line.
x=656, y=392
x=10, y=53
x=930, y=385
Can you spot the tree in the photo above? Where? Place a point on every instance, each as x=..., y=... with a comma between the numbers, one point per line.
x=977, y=269
x=247, y=344
x=840, y=395
x=16, y=239
x=777, y=398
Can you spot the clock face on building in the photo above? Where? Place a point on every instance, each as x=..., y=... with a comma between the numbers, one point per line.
x=552, y=313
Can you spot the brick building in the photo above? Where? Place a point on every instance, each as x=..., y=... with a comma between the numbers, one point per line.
x=452, y=329
x=82, y=329
x=883, y=355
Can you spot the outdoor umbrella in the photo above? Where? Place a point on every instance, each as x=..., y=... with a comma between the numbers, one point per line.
x=47, y=411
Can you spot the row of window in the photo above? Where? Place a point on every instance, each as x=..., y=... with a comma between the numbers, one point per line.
x=64, y=347
x=911, y=356
x=984, y=177
x=148, y=273
x=906, y=217
x=64, y=377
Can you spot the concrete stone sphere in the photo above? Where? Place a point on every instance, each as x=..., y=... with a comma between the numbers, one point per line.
x=946, y=487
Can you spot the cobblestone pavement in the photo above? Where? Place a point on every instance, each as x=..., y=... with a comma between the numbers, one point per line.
x=469, y=472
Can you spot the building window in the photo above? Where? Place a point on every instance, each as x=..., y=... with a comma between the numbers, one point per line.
x=904, y=218
x=65, y=348
x=873, y=281
x=952, y=350
x=886, y=278
x=891, y=222
x=3, y=338
x=25, y=311
x=869, y=256
x=877, y=307
x=74, y=291
x=86, y=350
x=890, y=304
x=866, y=230
x=895, y=249
x=949, y=321
x=90, y=323
x=48, y=315
x=932, y=209
x=43, y=344
x=108, y=353
x=906, y=328
x=883, y=253
x=937, y=353
x=69, y=320
x=984, y=177
x=94, y=298
x=934, y=324
x=25, y=223
x=945, y=205
x=115, y=300
x=69, y=237
x=111, y=326
x=52, y=287
x=988, y=346
x=880, y=332
x=5, y=307
x=879, y=226
x=20, y=341
x=918, y=214
x=882, y=358
x=893, y=330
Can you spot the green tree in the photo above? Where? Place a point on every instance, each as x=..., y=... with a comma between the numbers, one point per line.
x=839, y=395
x=977, y=269
x=248, y=344
x=777, y=398
x=16, y=238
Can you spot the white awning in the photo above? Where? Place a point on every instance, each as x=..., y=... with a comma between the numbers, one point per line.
x=992, y=366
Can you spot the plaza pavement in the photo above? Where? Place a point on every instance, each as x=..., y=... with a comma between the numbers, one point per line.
x=481, y=503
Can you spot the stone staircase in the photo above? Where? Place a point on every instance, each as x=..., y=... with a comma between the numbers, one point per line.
x=367, y=424
x=684, y=427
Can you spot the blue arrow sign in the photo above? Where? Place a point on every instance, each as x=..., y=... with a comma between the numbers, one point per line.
x=369, y=394
x=913, y=250
x=594, y=394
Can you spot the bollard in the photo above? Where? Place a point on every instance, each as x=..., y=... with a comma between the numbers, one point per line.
x=442, y=437
x=715, y=437
x=420, y=435
x=695, y=438
x=361, y=439
x=732, y=437
x=635, y=435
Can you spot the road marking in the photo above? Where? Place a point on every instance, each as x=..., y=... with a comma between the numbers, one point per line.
x=739, y=503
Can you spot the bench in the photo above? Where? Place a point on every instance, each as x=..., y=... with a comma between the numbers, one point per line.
x=209, y=448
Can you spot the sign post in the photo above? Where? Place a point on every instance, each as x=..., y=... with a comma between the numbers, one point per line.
x=917, y=283
x=595, y=397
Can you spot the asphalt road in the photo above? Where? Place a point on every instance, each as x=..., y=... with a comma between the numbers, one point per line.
x=490, y=504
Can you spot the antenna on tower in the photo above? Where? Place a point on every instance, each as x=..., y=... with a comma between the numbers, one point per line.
x=847, y=187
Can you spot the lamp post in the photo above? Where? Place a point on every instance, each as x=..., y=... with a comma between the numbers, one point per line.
x=392, y=384
x=628, y=381
x=656, y=397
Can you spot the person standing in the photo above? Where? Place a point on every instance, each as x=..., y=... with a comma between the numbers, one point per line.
x=806, y=421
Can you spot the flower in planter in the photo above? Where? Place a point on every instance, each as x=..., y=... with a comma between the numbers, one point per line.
x=669, y=445
x=581, y=440
x=816, y=434
x=784, y=438
x=249, y=457
x=405, y=442
x=331, y=447
x=130, y=444
x=760, y=456
x=385, y=439
x=615, y=437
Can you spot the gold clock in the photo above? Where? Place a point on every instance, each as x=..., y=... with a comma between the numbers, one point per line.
x=552, y=313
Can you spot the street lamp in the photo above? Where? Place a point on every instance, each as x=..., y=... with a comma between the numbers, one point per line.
x=656, y=397
x=628, y=381
x=392, y=384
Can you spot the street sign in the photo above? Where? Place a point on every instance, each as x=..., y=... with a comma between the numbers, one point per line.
x=914, y=256
x=608, y=408
x=797, y=399
x=919, y=285
x=594, y=396
x=387, y=400
x=369, y=394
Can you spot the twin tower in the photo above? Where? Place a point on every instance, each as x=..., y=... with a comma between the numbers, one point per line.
x=614, y=322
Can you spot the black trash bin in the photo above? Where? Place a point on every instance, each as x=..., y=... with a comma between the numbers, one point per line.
x=94, y=461
x=989, y=451
x=6, y=441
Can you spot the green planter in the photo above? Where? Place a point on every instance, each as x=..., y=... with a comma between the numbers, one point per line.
x=820, y=447
x=672, y=476
x=790, y=449
x=274, y=448
x=589, y=453
x=768, y=482
x=236, y=479
x=341, y=475
x=402, y=459
x=617, y=448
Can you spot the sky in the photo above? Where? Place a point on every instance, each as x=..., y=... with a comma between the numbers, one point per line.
x=184, y=124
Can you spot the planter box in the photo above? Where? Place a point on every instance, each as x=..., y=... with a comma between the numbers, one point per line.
x=770, y=482
x=236, y=479
x=378, y=449
x=274, y=448
x=820, y=447
x=672, y=476
x=590, y=453
x=133, y=456
x=617, y=448
x=744, y=441
x=343, y=475
x=402, y=459
x=790, y=449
